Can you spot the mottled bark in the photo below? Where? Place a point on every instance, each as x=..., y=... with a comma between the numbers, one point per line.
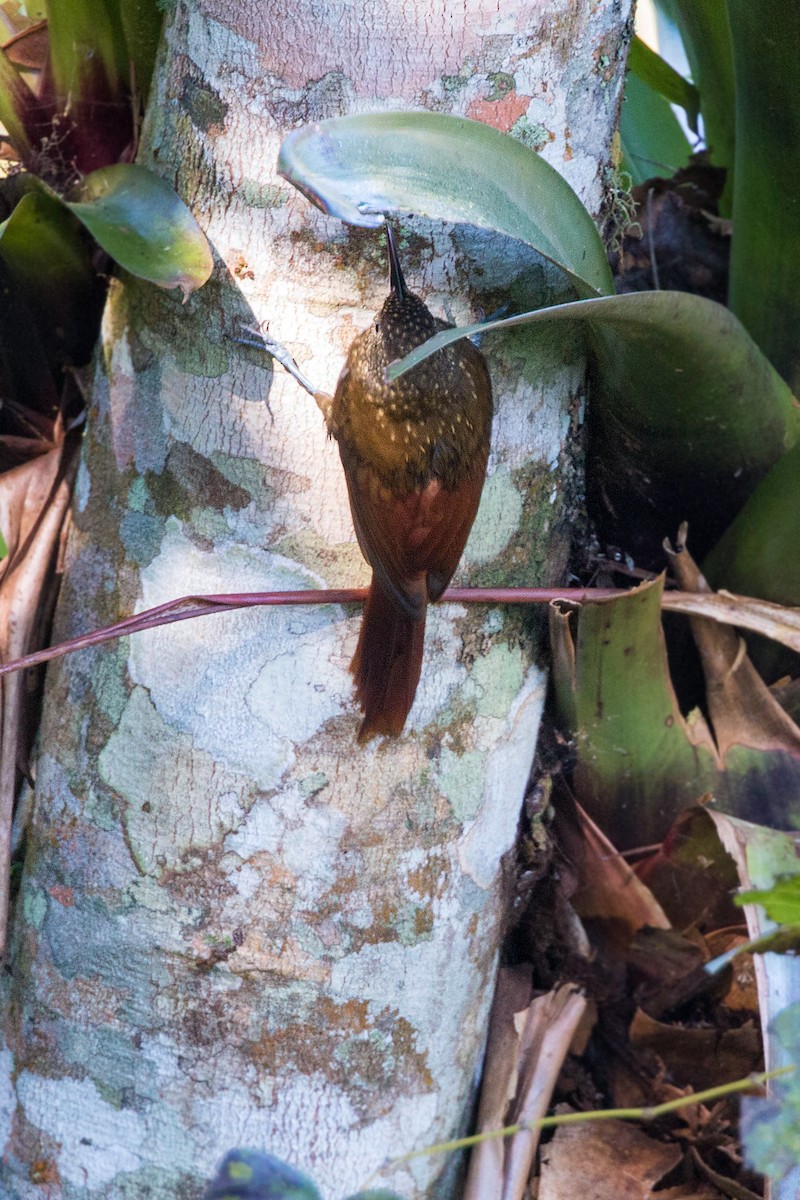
x=235, y=925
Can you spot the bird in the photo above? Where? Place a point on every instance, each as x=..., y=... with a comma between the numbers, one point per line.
x=414, y=452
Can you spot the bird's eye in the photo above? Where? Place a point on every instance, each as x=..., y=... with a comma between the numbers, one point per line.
x=377, y=326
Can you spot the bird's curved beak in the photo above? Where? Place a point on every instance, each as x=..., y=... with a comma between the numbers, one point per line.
x=396, y=281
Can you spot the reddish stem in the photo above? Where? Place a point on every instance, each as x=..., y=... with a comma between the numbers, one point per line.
x=186, y=607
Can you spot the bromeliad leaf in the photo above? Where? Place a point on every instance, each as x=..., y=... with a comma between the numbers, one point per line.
x=653, y=142
x=358, y=168
x=48, y=260
x=144, y=226
x=654, y=71
x=675, y=426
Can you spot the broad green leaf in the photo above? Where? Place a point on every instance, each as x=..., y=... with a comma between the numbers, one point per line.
x=771, y=1126
x=450, y=168
x=765, y=254
x=653, y=142
x=704, y=28
x=16, y=100
x=781, y=902
x=144, y=225
x=637, y=764
x=83, y=34
x=47, y=255
x=639, y=761
x=141, y=20
x=758, y=554
x=255, y=1175
x=690, y=415
x=658, y=75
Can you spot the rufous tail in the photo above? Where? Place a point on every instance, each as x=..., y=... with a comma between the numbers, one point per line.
x=386, y=664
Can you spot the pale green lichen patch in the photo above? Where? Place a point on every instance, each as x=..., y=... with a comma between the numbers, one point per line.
x=501, y=84
x=141, y=536
x=244, y=685
x=262, y=195
x=97, y=1142
x=208, y=524
x=313, y=783
x=461, y=780
x=498, y=519
x=339, y=565
x=138, y=495
x=531, y=134
x=247, y=473
x=178, y=799
x=34, y=906
x=497, y=679
x=118, y=1065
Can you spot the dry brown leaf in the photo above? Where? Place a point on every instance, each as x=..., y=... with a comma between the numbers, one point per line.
x=34, y=499
x=742, y=709
x=608, y=1160
x=692, y=1191
x=773, y=621
x=702, y=1058
x=526, y=1050
x=608, y=888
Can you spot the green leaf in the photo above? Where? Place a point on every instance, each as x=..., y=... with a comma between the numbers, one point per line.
x=450, y=168
x=765, y=254
x=47, y=255
x=16, y=101
x=704, y=28
x=653, y=142
x=141, y=20
x=3, y=547
x=637, y=765
x=771, y=1127
x=757, y=555
x=83, y=34
x=657, y=74
x=675, y=430
x=639, y=761
x=144, y=225
x=254, y=1175
x=781, y=902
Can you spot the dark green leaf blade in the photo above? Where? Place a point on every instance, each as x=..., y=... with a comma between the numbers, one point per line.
x=706, y=34
x=50, y=269
x=255, y=1175
x=83, y=34
x=141, y=21
x=757, y=555
x=451, y=169
x=765, y=254
x=144, y=225
x=653, y=142
x=16, y=104
x=675, y=426
x=656, y=73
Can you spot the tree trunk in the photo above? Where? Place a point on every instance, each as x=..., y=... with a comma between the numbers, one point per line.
x=236, y=926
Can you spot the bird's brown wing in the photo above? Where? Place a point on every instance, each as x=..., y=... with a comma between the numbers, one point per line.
x=413, y=543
